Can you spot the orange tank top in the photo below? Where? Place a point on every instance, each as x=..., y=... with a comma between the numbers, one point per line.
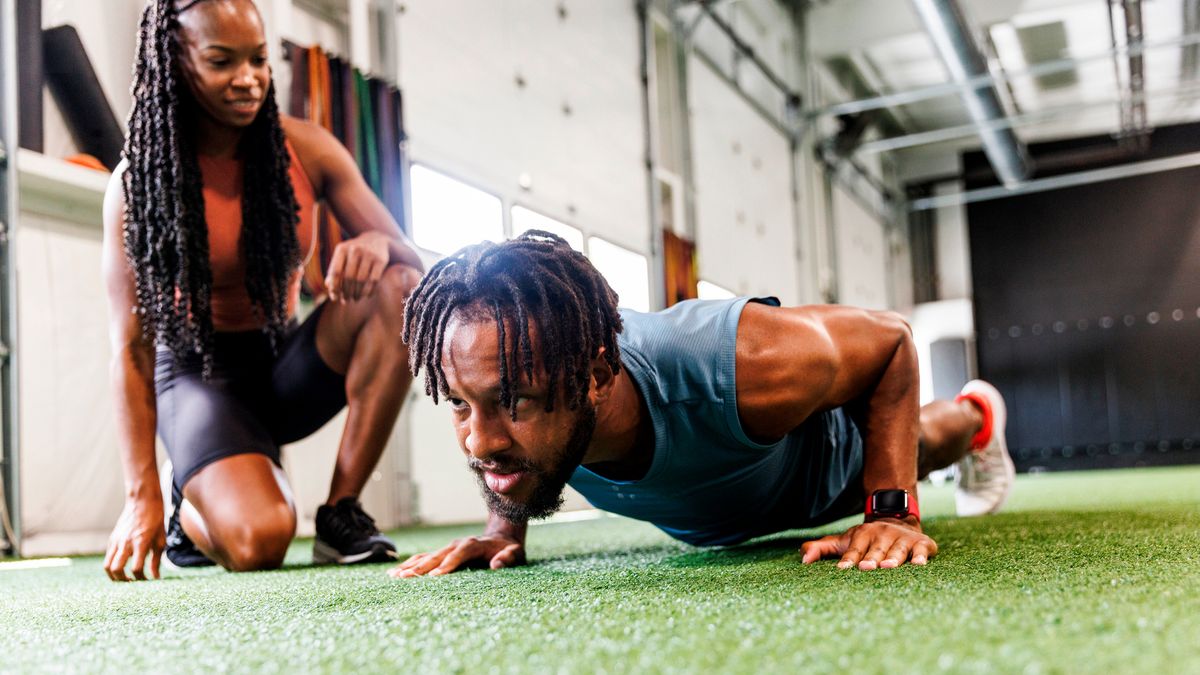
x=232, y=309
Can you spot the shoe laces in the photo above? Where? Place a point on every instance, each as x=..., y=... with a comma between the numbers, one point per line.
x=350, y=519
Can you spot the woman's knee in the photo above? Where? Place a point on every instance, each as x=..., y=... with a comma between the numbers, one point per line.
x=397, y=282
x=259, y=542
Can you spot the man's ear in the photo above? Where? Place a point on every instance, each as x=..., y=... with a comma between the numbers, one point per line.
x=602, y=381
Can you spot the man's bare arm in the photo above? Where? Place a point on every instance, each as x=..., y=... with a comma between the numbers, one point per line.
x=794, y=362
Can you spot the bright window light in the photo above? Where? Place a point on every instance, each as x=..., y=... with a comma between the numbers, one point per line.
x=523, y=219
x=627, y=272
x=448, y=214
x=707, y=290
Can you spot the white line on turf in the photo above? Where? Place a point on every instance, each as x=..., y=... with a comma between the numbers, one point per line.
x=34, y=564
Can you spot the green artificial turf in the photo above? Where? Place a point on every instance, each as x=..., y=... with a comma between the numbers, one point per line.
x=1093, y=572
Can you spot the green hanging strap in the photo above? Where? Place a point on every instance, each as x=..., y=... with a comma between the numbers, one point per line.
x=369, y=158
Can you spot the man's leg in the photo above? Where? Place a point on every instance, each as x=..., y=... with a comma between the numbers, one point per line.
x=362, y=340
x=970, y=432
x=947, y=428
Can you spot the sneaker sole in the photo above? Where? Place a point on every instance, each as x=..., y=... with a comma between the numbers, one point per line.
x=324, y=554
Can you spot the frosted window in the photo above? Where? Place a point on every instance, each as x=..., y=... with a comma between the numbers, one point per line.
x=523, y=219
x=627, y=272
x=709, y=291
x=448, y=214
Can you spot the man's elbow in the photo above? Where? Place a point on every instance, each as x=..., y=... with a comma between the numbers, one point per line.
x=894, y=326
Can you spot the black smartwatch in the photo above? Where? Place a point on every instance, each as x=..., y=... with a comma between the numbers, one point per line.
x=891, y=504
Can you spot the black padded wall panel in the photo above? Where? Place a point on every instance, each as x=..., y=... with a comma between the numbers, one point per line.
x=1087, y=310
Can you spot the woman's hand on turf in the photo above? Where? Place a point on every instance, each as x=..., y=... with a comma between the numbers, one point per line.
x=356, y=267
x=495, y=551
x=138, y=538
x=881, y=544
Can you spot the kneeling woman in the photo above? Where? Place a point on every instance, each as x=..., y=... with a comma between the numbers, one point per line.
x=207, y=224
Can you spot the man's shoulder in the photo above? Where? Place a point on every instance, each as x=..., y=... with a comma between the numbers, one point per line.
x=685, y=351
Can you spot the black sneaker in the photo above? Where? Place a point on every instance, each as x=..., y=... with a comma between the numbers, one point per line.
x=347, y=535
x=180, y=549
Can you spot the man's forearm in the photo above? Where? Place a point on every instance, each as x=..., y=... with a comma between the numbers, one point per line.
x=891, y=420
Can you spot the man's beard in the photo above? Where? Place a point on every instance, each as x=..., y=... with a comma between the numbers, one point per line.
x=549, y=482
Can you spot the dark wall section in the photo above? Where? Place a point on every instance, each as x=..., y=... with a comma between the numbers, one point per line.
x=1087, y=310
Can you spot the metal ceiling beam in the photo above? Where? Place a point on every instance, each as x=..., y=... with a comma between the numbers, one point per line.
x=1189, y=66
x=964, y=59
x=987, y=80
x=1033, y=117
x=1068, y=180
x=793, y=98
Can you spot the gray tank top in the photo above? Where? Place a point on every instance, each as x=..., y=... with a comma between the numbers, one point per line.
x=709, y=483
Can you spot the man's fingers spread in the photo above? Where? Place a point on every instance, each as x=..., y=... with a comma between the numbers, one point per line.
x=506, y=557
x=854, y=552
x=920, y=553
x=456, y=558
x=819, y=548
x=896, y=555
x=875, y=554
x=872, y=558
x=412, y=560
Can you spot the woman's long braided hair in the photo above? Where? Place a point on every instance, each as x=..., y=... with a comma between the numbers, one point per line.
x=166, y=235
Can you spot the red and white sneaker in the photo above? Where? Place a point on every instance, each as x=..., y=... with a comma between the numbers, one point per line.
x=986, y=475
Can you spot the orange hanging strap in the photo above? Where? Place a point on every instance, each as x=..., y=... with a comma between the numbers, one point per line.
x=328, y=231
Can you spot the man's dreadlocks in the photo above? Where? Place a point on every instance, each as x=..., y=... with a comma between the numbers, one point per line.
x=166, y=235
x=536, y=278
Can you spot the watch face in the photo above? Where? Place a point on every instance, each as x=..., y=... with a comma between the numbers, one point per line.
x=890, y=503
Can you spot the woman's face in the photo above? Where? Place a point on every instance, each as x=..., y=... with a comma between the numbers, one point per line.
x=223, y=51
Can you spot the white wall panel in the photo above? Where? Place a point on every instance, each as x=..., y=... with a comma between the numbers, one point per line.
x=745, y=229
x=467, y=116
x=862, y=253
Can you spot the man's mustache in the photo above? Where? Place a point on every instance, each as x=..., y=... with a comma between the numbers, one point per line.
x=501, y=465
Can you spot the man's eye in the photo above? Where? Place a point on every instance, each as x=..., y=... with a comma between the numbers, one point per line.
x=456, y=402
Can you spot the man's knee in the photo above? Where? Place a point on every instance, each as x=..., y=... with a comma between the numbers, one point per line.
x=260, y=542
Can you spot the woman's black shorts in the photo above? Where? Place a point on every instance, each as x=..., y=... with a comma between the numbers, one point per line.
x=254, y=401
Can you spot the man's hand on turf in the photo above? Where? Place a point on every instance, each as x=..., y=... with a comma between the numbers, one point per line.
x=138, y=538
x=495, y=551
x=884, y=543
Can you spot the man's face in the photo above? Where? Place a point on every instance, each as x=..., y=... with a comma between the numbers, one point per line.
x=522, y=465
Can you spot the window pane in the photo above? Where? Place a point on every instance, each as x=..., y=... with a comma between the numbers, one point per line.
x=710, y=291
x=627, y=272
x=448, y=214
x=523, y=219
